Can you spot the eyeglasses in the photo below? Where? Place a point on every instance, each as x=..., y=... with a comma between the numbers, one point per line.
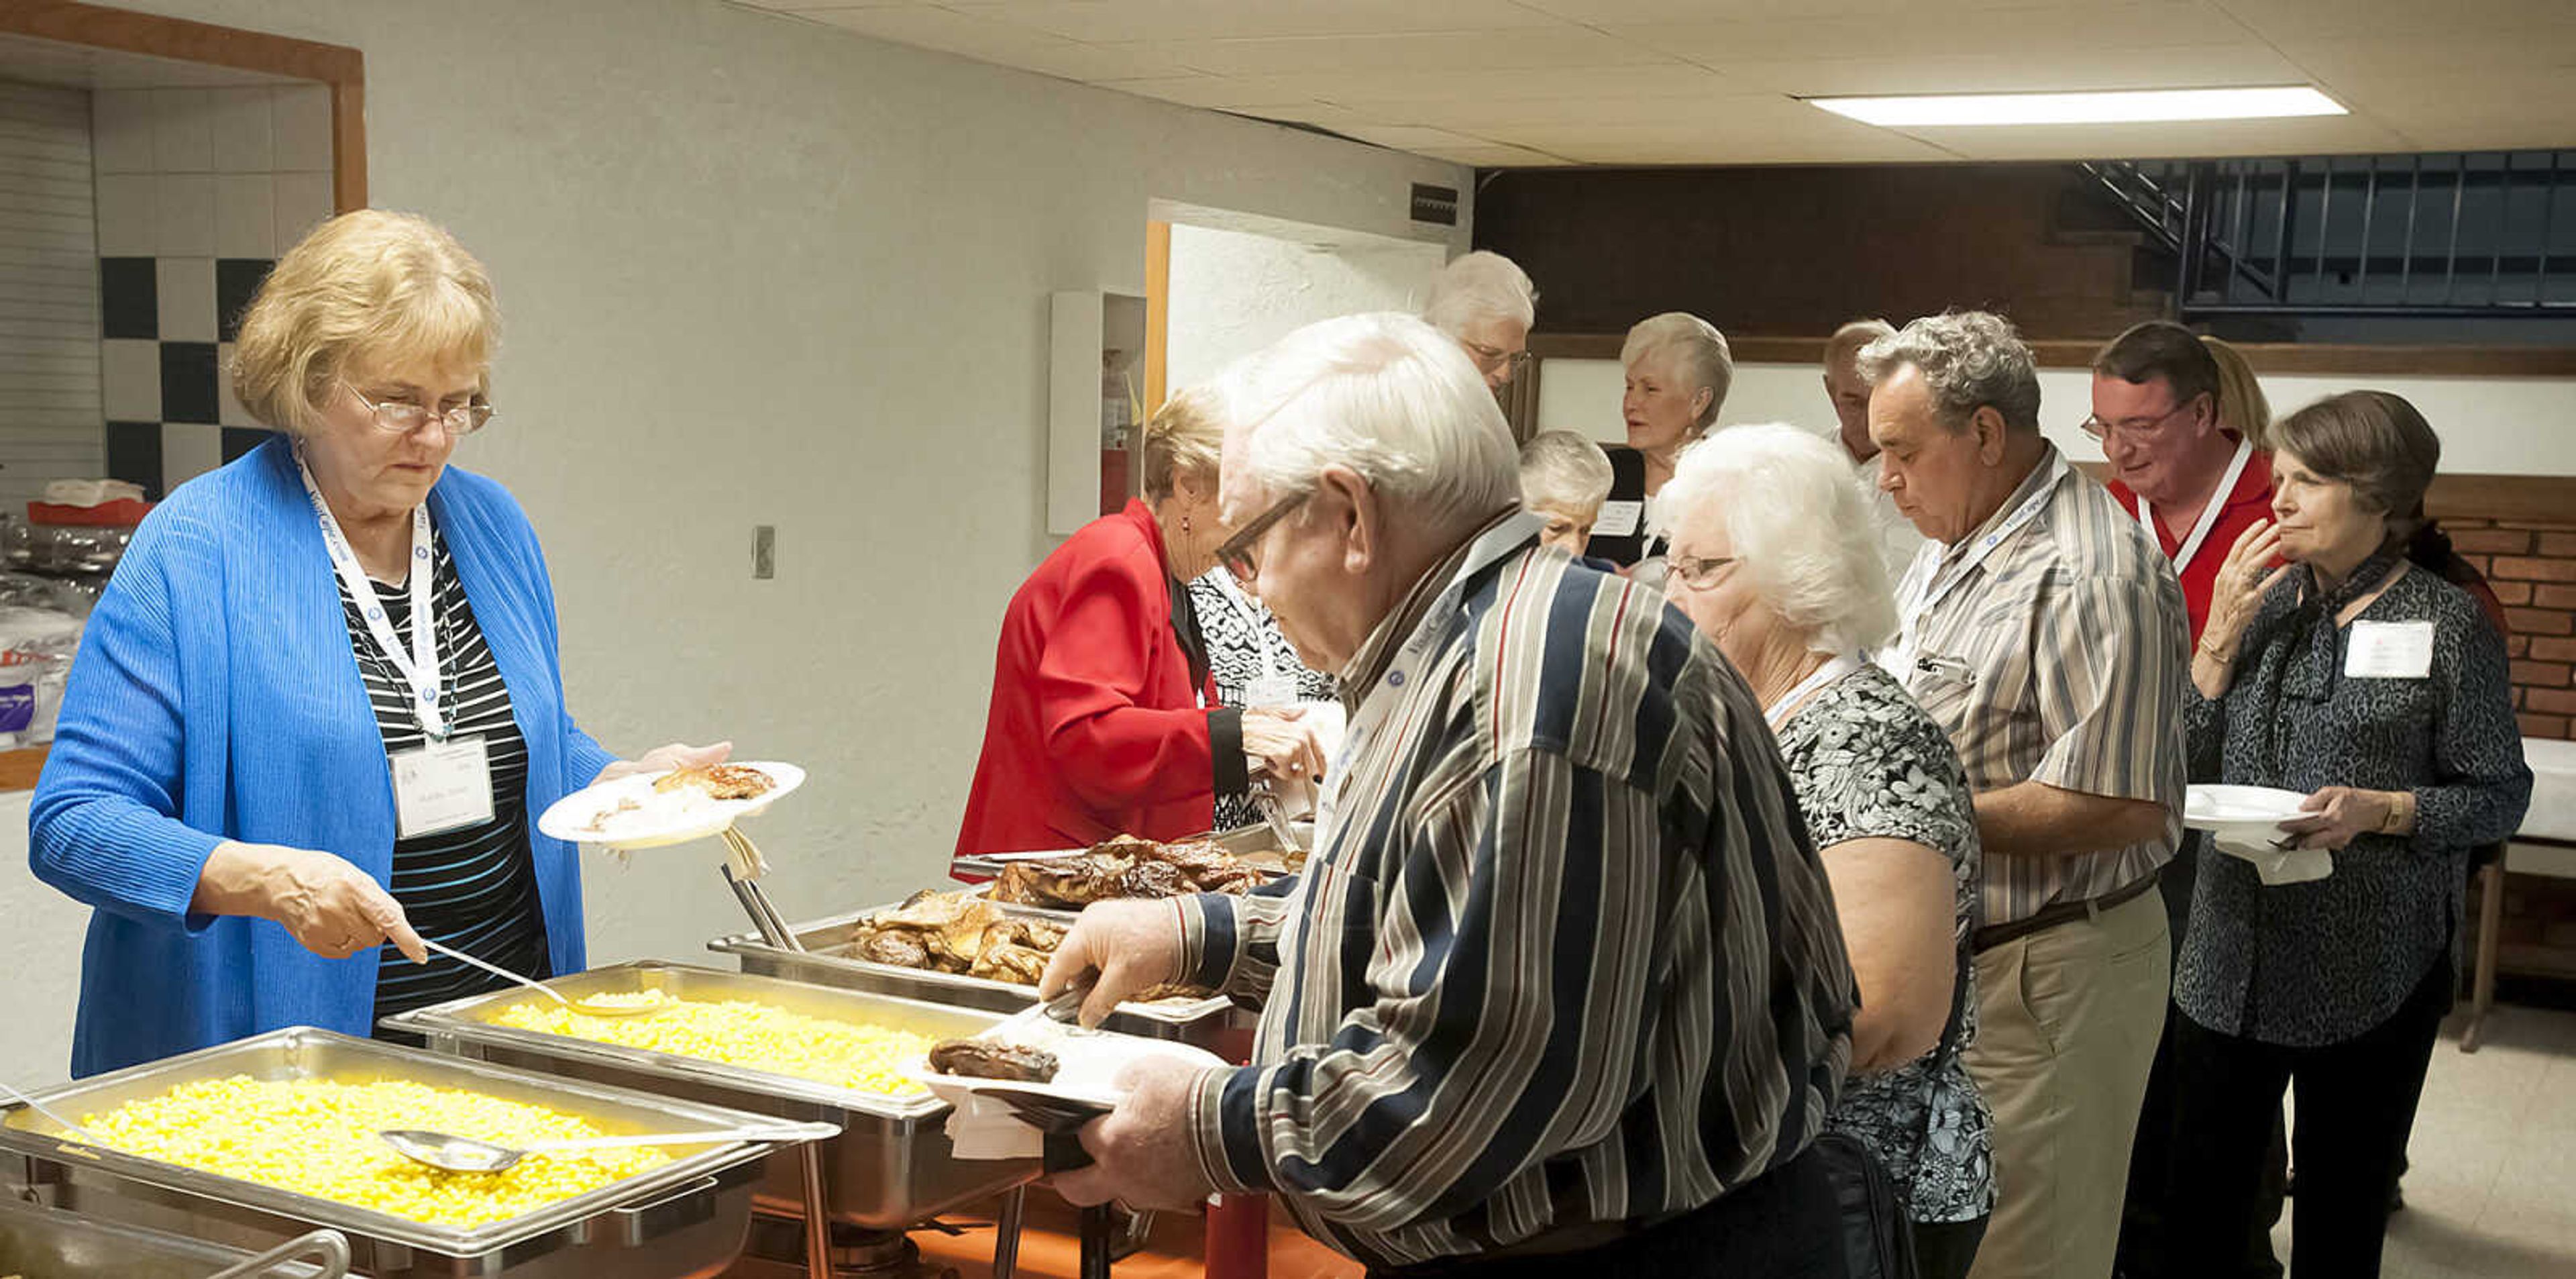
x=1697, y=573
x=399, y=417
x=2134, y=428
x=1490, y=358
x=1236, y=553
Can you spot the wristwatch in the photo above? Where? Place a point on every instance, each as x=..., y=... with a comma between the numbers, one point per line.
x=2393, y=821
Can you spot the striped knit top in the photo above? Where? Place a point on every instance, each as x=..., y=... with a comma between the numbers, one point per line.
x=473, y=888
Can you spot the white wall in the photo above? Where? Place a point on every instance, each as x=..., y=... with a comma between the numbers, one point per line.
x=760, y=271
x=50, y=426
x=1234, y=292
x=2489, y=426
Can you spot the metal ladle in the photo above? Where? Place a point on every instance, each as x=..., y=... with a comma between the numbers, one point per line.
x=583, y=1006
x=466, y=1154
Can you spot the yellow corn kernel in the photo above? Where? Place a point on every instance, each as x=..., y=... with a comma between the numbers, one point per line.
x=746, y=1033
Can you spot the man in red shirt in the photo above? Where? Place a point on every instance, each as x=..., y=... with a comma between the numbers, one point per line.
x=2193, y=483
x=2197, y=487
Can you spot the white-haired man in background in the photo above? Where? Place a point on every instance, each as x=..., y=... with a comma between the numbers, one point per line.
x=1897, y=539
x=1486, y=304
x=1562, y=984
x=1564, y=478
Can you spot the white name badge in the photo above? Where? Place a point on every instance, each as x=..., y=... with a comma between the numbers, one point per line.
x=2389, y=650
x=443, y=786
x=1618, y=519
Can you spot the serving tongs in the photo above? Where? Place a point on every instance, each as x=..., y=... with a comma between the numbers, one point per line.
x=1265, y=800
x=742, y=869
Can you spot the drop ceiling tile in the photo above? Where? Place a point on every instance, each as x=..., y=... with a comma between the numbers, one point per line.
x=1403, y=137
x=1409, y=54
x=2394, y=61
x=1320, y=114
x=2038, y=35
x=1479, y=117
x=1398, y=85
x=2006, y=72
x=1007, y=44
x=1490, y=156
x=2393, y=19
x=1108, y=21
x=1614, y=12
x=1685, y=144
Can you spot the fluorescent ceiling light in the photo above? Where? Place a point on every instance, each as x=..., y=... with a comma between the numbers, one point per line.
x=2125, y=107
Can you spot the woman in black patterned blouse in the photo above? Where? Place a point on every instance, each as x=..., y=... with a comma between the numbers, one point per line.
x=2363, y=679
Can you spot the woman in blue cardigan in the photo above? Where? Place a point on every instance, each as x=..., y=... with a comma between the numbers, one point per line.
x=320, y=704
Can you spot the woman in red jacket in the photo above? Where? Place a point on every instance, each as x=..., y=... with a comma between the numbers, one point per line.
x=1104, y=721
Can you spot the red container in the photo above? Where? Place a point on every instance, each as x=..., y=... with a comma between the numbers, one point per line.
x=122, y=513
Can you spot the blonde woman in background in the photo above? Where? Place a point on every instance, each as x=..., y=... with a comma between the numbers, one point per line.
x=1677, y=369
x=2241, y=406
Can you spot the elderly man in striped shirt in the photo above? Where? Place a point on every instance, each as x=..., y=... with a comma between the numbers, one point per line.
x=1562, y=984
x=2044, y=629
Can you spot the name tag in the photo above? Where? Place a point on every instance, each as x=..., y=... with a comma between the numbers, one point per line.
x=1618, y=519
x=442, y=787
x=1270, y=690
x=2389, y=650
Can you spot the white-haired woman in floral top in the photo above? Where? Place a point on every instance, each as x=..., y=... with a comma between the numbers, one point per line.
x=1774, y=556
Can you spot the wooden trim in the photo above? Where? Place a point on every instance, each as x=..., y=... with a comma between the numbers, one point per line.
x=1158, y=313
x=2059, y=353
x=2539, y=499
x=340, y=67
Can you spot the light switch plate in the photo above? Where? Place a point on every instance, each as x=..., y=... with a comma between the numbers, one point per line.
x=764, y=551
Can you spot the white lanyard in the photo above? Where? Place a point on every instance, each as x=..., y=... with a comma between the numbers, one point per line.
x=1841, y=665
x=2208, y=514
x=420, y=667
x=1925, y=584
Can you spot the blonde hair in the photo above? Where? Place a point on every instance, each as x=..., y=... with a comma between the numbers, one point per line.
x=1184, y=438
x=2242, y=407
x=365, y=288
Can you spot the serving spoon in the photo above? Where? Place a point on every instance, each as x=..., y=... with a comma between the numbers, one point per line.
x=452, y=1153
x=587, y=1008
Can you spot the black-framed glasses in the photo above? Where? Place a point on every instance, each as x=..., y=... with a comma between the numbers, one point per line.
x=1697, y=572
x=2100, y=430
x=1490, y=358
x=1236, y=553
x=400, y=417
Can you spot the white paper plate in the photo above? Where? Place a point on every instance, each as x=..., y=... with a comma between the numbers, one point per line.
x=2241, y=810
x=1088, y=1064
x=675, y=817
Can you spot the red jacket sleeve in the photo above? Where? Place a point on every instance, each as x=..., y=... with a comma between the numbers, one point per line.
x=1110, y=745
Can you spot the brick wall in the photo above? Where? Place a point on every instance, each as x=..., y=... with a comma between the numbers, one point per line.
x=2532, y=567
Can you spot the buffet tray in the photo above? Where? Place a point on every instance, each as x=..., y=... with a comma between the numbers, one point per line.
x=49, y=1243
x=683, y=1220
x=826, y=961
x=891, y=1167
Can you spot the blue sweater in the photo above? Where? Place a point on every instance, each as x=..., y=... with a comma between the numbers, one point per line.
x=217, y=697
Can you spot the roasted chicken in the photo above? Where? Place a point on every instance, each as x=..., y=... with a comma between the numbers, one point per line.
x=719, y=781
x=1126, y=866
x=955, y=933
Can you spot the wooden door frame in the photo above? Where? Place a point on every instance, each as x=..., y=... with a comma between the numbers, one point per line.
x=338, y=67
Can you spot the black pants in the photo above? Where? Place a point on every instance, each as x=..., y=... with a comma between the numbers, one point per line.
x=2356, y=1104
x=1786, y=1224
x=2143, y=1233
x=1945, y=1249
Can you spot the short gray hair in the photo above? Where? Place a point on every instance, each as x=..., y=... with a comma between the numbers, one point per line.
x=1847, y=341
x=1695, y=348
x=1801, y=526
x=1385, y=395
x=1565, y=470
x=1969, y=360
x=1480, y=286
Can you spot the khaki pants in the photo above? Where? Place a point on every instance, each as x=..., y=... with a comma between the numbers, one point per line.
x=2068, y=1019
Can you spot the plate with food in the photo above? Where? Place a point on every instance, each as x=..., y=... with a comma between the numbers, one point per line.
x=674, y=806
x=1054, y=1076
x=2242, y=812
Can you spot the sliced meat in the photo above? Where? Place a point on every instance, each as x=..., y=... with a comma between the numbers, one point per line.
x=983, y=1059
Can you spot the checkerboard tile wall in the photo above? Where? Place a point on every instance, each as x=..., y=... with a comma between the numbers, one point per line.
x=198, y=191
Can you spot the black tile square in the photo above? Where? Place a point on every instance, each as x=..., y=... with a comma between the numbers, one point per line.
x=129, y=298
x=188, y=382
x=236, y=282
x=134, y=455
x=242, y=439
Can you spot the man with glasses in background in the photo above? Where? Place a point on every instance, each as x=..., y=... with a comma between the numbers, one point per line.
x=1486, y=304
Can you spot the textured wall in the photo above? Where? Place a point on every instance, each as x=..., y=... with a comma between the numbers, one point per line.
x=1234, y=292
x=759, y=271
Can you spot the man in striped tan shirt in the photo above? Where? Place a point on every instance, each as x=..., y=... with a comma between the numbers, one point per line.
x=2046, y=632
x=1562, y=984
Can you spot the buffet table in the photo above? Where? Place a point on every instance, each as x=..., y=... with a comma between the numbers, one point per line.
x=2546, y=845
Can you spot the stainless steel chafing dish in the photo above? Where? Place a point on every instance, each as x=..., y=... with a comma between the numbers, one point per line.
x=826, y=960
x=892, y=1165
x=683, y=1220
x=48, y=1243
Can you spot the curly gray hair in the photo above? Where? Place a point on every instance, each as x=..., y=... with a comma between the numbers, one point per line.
x=1969, y=360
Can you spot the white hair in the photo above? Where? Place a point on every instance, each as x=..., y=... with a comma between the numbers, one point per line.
x=1384, y=395
x=1800, y=524
x=1969, y=360
x=1689, y=346
x=1480, y=286
x=1847, y=341
x=1564, y=470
